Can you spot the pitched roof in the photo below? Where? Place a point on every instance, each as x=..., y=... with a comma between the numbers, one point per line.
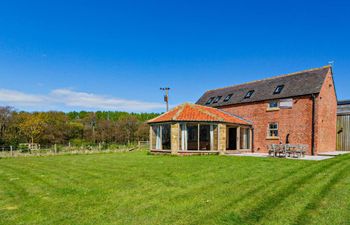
x=343, y=107
x=194, y=112
x=295, y=84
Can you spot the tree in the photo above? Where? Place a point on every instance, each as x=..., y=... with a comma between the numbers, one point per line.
x=127, y=127
x=5, y=119
x=58, y=127
x=55, y=128
x=33, y=125
x=142, y=132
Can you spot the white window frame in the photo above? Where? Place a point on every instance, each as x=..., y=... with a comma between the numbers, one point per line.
x=183, y=133
x=269, y=106
x=269, y=130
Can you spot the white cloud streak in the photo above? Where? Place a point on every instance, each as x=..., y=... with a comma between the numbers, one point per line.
x=74, y=100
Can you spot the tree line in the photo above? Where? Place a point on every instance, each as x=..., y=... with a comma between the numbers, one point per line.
x=73, y=127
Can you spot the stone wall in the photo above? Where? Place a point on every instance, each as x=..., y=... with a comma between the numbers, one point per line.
x=175, y=132
x=222, y=137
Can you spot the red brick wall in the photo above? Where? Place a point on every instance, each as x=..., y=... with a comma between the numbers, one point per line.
x=326, y=120
x=297, y=122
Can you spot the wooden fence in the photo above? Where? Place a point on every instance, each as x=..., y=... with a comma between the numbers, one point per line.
x=11, y=151
x=343, y=132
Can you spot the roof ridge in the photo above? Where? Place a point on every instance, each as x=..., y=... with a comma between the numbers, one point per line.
x=274, y=77
x=234, y=115
x=208, y=113
x=180, y=110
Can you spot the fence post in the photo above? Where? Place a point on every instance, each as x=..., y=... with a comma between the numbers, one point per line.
x=11, y=150
x=55, y=147
x=99, y=146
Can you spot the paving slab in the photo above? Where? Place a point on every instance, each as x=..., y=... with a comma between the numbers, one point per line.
x=333, y=153
x=264, y=155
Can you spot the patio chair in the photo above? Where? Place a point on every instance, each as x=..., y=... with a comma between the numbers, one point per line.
x=288, y=150
x=271, y=150
x=300, y=150
x=279, y=150
x=283, y=150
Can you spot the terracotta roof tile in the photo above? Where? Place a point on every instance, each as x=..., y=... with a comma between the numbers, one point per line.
x=194, y=112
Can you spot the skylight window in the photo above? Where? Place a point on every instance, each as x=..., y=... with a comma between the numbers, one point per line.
x=228, y=97
x=249, y=94
x=278, y=89
x=210, y=100
x=217, y=99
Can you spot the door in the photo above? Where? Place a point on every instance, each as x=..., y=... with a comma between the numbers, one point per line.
x=232, y=139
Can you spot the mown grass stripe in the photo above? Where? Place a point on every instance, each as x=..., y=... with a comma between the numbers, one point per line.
x=136, y=188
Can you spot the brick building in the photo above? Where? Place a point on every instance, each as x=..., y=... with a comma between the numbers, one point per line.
x=296, y=108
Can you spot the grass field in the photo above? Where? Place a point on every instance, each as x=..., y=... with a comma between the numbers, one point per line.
x=137, y=188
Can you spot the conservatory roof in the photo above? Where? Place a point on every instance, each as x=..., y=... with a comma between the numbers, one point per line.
x=193, y=112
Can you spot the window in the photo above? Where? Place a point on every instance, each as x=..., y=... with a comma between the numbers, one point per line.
x=228, y=97
x=210, y=100
x=278, y=89
x=166, y=143
x=273, y=130
x=217, y=99
x=249, y=94
x=245, y=138
x=192, y=136
x=204, y=137
x=161, y=137
x=273, y=104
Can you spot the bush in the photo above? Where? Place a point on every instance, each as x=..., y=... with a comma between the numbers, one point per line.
x=23, y=148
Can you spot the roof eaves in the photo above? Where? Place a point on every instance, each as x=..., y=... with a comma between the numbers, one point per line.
x=267, y=99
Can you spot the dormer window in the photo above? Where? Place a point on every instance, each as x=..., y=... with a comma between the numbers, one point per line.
x=278, y=89
x=217, y=99
x=228, y=97
x=210, y=100
x=249, y=94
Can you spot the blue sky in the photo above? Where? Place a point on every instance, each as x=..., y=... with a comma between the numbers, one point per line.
x=100, y=55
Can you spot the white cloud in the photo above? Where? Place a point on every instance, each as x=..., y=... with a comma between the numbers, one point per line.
x=73, y=100
x=20, y=98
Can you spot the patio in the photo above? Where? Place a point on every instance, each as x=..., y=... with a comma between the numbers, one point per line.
x=321, y=156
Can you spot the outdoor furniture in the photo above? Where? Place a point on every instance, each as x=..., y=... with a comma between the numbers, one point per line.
x=287, y=150
x=271, y=150
x=301, y=149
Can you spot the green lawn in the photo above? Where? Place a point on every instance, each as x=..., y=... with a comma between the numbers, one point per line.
x=137, y=188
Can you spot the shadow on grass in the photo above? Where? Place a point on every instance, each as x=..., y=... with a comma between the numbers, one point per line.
x=314, y=204
x=257, y=213
x=233, y=217
x=262, y=209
